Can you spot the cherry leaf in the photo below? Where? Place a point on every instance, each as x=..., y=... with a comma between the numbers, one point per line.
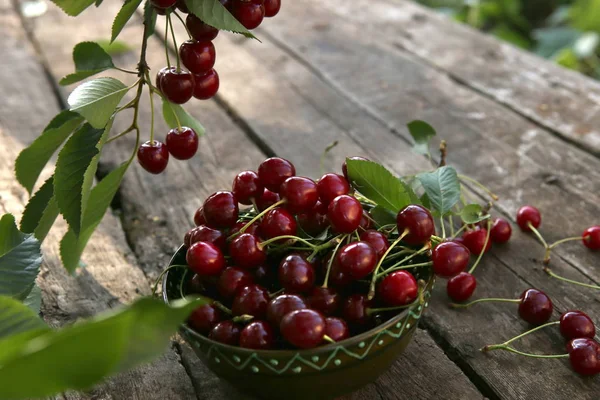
x=90, y=59
x=97, y=100
x=123, y=17
x=213, y=13
x=442, y=188
x=421, y=133
x=173, y=112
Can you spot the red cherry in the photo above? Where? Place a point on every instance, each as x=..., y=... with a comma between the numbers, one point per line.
x=344, y=214
x=209, y=235
x=365, y=221
x=274, y=171
x=182, y=144
x=296, y=274
x=357, y=259
x=535, y=307
x=199, y=217
x=282, y=305
x=199, y=30
x=181, y=6
x=336, y=329
x=354, y=309
x=204, y=318
x=198, y=57
x=257, y=335
x=225, y=332
x=266, y=200
x=177, y=86
x=576, y=324
x=501, y=231
x=337, y=276
x=153, y=156
x=585, y=357
x=398, y=288
x=303, y=328
x=163, y=3
x=378, y=241
x=449, y=259
x=221, y=210
x=459, y=239
x=345, y=167
x=475, y=241
x=575, y=343
x=591, y=238
x=188, y=236
x=246, y=252
x=206, y=84
x=300, y=194
x=251, y=300
x=527, y=215
x=160, y=74
x=314, y=221
x=246, y=187
x=205, y=259
x=331, y=186
x=253, y=229
x=250, y=13
x=278, y=222
x=419, y=223
x=324, y=300
x=232, y=280
x=461, y=287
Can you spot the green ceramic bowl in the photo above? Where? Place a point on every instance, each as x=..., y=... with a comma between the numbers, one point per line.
x=323, y=373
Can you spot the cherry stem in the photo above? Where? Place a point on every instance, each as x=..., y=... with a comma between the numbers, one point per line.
x=267, y=242
x=515, y=351
x=329, y=243
x=480, y=256
x=462, y=228
x=465, y=305
x=387, y=271
x=258, y=216
x=374, y=279
x=537, y=328
x=167, y=20
x=553, y=275
x=221, y=307
x=538, y=235
x=395, y=266
x=157, y=281
x=183, y=23
x=360, y=197
x=328, y=339
x=569, y=239
x=174, y=42
x=151, y=116
x=324, y=155
x=181, y=283
x=331, y=260
x=443, y=227
x=480, y=185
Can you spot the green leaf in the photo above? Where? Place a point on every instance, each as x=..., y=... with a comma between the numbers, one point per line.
x=37, y=205
x=47, y=220
x=16, y=317
x=585, y=15
x=115, y=48
x=73, y=162
x=90, y=59
x=123, y=16
x=72, y=246
x=421, y=133
x=34, y=299
x=97, y=100
x=136, y=334
x=472, y=214
x=442, y=187
x=149, y=19
x=213, y=13
x=382, y=216
x=172, y=112
x=73, y=7
x=32, y=160
x=10, y=236
x=378, y=184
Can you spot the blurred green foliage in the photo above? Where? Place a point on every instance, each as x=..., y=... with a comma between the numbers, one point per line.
x=566, y=31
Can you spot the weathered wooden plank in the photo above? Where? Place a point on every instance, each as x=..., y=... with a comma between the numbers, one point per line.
x=111, y=277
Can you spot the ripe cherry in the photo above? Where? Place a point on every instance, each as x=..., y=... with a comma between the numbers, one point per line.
x=331, y=186
x=246, y=252
x=153, y=156
x=528, y=215
x=535, y=307
x=203, y=233
x=357, y=259
x=198, y=57
x=278, y=222
x=282, y=305
x=205, y=259
x=336, y=329
x=232, y=280
x=345, y=166
x=324, y=300
x=250, y=13
x=461, y=287
x=266, y=200
x=251, y=300
x=199, y=217
x=204, y=318
x=575, y=343
x=303, y=328
x=226, y=332
x=199, y=30
x=314, y=221
x=398, y=288
x=354, y=309
x=221, y=210
x=576, y=324
x=365, y=221
x=419, y=223
x=257, y=335
x=296, y=274
x=591, y=238
x=449, y=259
x=585, y=357
x=253, y=229
x=378, y=241
x=300, y=194
x=160, y=74
x=337, y=276
x=177, y=86
x=163, y=3
x=182, y=144
x=274, y=171
x=206, y=85
x=475, y=241
x=500, y=231
x=246, y=187
x=344, y=214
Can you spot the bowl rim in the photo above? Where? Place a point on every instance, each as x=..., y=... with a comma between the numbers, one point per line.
x=351, y=341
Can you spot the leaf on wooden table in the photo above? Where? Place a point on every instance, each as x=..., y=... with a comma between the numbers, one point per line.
x=472, y=214
x=123, y=17
x=173, y=112
x=442, y=188
x=97, y=100
x=422, y=133
x=213, y=13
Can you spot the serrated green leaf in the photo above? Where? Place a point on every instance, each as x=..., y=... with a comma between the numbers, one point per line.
x=472, y=214
x=10, y=236
x=442, y=187
x=149, y=19
x=137, y=334
x=378, y=184
x=97, y=100
x=15, y=318
x=47, y=220
x=34, y=299
x=123, y=16
x=171, y=110
x=421, y=133
x=31, y=161
x=90, y=59
x=114, y=48
x=34, y=210
x=73, y=7
x=213, y=13
x=73, y=162
x=72, y=246
x=382, y=216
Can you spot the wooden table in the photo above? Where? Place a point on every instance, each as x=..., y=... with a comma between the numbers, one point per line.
x=353, y=71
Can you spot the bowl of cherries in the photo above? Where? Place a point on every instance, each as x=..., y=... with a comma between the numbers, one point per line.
x=312, y=289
